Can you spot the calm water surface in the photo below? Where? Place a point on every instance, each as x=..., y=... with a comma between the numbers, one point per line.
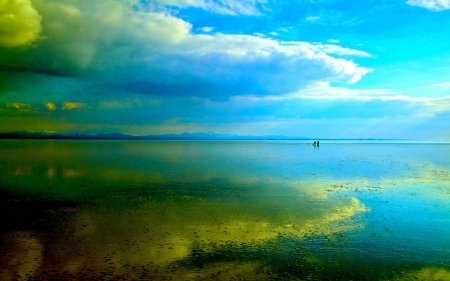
x=224, y=210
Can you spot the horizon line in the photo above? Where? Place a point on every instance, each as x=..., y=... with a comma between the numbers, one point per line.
x=180, y=136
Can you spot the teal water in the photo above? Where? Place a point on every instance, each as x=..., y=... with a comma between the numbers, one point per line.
x=224, y=210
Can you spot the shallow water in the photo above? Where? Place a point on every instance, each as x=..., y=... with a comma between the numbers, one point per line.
x=248, y=210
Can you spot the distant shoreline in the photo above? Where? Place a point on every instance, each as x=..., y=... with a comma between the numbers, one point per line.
x=183, y=136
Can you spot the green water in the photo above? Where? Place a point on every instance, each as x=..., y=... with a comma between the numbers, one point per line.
x=224, y=210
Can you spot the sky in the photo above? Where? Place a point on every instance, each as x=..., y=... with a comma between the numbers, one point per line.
x=304, y=68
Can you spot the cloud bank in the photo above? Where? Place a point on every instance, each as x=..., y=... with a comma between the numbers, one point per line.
x=131, y=47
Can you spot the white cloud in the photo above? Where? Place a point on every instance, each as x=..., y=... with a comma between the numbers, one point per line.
x=261, y=65
x=285, y=29
x=180, y=2
x=207, y=29
x=323, y=92
x=229, y=7
x=341, y=51
x=233, y=7
x=313, y=18
x=432, y=5
x=20, y=23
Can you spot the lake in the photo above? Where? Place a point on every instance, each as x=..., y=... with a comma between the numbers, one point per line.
x=224, y=210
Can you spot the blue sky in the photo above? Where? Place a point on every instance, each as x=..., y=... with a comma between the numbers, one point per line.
x=334, y=69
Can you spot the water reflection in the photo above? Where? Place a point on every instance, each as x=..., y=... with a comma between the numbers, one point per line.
x=432, y=273
x=116, y=235
x=21, y=256
x=195, y=211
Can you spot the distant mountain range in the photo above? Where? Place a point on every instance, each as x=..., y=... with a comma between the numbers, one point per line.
x=119, y=136
x=183, y=136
